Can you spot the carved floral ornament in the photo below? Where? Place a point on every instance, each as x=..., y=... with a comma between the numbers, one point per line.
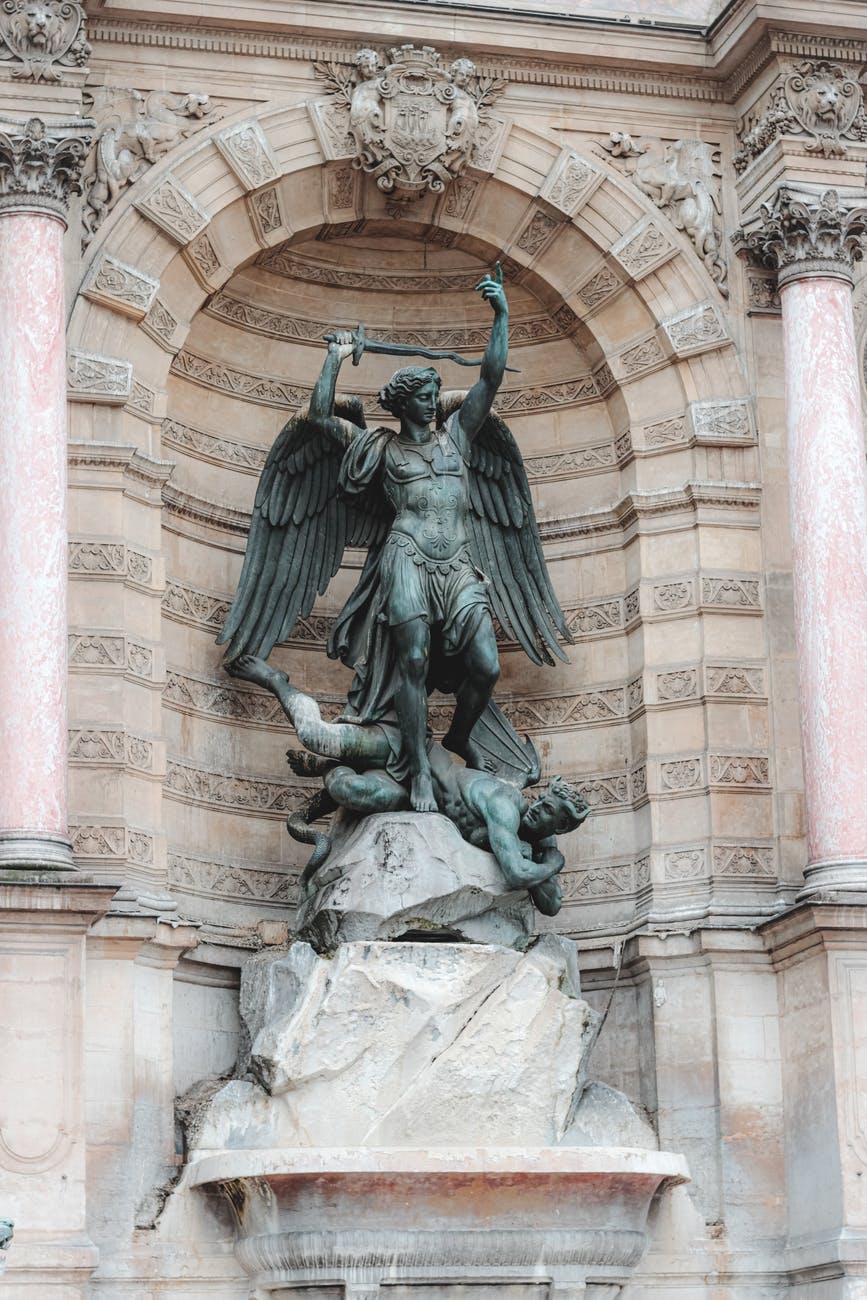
x=40, y=166
x=817, y=99
x=797, y=238
x=41, y=38
x=412, y=124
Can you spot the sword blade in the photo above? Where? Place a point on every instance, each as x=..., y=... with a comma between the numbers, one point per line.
x=407, y=350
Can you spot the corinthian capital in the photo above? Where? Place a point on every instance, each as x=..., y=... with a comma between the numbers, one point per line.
x=799, y=239
x=40, y=165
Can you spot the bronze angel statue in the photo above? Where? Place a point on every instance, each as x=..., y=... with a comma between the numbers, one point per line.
x=443, y=508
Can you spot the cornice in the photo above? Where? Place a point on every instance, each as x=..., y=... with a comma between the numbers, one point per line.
x=516, y=67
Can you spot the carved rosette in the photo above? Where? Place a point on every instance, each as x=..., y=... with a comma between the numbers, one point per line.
x=40, y=166
x=799, y=239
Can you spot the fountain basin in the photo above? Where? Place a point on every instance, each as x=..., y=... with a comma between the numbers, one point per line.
x=359, y=1217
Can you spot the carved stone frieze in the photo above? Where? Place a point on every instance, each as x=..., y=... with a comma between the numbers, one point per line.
x=107, y=651
x=112, y=842
x=818, y=101
x=122, y=287
x=89, y=558
x=695, y=330
x=739, y=769
x=233, y=880
x=638, y=357
x=587, y=884
x=731, y=593
x=205, y=788
x=684, y=864
x=113, y=747
x=412, y=124
x=664, y=433
x=680, y=684
x=681, y=775
x=224, y=700
x=172, y=207
x=94, y=378
x=743, y=860
x=272, y=391
x=41, y=39
x=142, y=399
x=682, y=178
x=800, y=237
x=134, y=131
x=214, y=448
x=248, y=154
x=283, y=261
x=41, y=165
x=734, y=680
x=763, y=296
x=289, y=325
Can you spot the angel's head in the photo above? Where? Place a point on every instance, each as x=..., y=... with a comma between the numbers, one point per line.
x=366, y=63
x=559, y=810
x=412, y=392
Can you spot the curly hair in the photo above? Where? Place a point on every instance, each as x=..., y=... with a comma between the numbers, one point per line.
x=403, y=384
x=573, y=803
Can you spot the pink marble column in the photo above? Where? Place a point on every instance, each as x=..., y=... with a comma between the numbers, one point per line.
x=33, y=632
x=813, y=246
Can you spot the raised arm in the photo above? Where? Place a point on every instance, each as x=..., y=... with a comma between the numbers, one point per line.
x=321, y=412
x=477, y=404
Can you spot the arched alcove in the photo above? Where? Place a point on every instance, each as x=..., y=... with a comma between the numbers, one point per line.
x=215, y=280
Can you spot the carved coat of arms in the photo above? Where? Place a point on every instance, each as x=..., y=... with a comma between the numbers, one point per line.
x=413, y=122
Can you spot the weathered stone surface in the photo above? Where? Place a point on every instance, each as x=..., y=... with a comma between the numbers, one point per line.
x=399, y=875
x=417, y=1044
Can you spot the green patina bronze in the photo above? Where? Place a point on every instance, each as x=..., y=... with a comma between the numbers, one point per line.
x=443, y=508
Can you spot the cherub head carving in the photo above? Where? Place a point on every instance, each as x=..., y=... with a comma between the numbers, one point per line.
x=366, y=63
x=461, y=71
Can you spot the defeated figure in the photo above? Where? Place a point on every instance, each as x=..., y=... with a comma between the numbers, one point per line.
x=489, y=813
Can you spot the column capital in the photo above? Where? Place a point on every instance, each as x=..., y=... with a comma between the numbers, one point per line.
x=804, y=236
x=41, y=164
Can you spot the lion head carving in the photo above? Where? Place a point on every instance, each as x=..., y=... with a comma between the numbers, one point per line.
x=38, y=28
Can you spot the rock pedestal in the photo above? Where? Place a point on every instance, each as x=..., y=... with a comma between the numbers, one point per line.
x=405, y=876
x=417, y=1114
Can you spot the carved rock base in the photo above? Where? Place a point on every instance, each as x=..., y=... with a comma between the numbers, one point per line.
x=415, y=1115
x=410, y=875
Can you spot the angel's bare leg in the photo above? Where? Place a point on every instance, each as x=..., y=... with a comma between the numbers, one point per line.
x=412, y=643
x=365, y=792
x=342, y=740
x=482, y=667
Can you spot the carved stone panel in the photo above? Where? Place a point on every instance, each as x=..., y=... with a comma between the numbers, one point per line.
x=643, y=248
x=818, y=101
x=248, y=153
x=40, y=39
x=174, y=209
x=570, y=182
x=728, y=422
x=94, y=378
x=121, y=287
x=696, y=330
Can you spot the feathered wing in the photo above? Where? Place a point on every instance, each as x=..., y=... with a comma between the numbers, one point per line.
x=506, y=543
x=299, y=529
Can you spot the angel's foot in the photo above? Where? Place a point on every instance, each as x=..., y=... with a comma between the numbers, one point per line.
x=253, y=669
x=304, y=764
x=422, y=795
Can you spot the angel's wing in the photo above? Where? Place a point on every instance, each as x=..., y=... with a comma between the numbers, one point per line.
x=299, y=529
x=506, y=542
